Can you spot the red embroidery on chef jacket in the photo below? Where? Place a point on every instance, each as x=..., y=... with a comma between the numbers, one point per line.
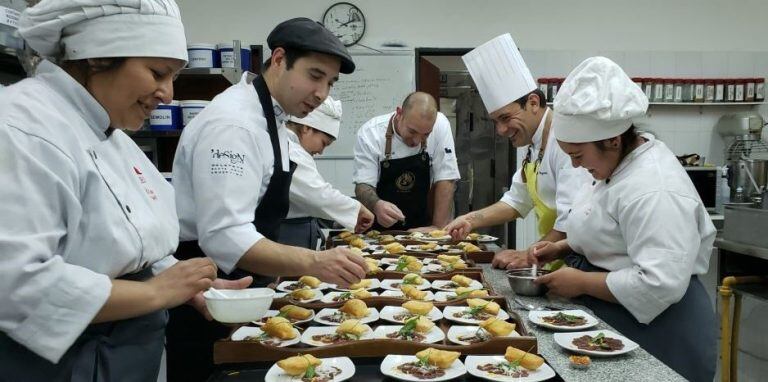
x=150, y=192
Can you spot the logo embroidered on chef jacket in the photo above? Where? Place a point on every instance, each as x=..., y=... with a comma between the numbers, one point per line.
x=232, y=162
x=448, y=151
x=405, y=181
x=143, y=180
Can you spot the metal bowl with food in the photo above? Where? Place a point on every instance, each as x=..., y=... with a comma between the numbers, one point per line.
x=521, y=281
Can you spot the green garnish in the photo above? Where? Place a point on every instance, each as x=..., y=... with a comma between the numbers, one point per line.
x=310, y=372
x=424, y=362
x=474, y=311
x=345, y=296
x=409, y=327
x=567, y=317
x=401, y=264
x=599, y=340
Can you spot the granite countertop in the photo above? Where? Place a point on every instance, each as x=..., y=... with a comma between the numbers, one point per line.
x=637, y=365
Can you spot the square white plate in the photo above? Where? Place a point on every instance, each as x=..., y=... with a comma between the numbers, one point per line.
x=276, y=374
x=393, y=268
x=246, y=331
x=306, y=337
x=565, y=340
x=448, y=312
x=375, y=284
x=389, y=284
x=391, y=362
x=283, y=286
x=434, y=335
x=272, y=313
x=473, y=362
x=396, y=293
x=446, y=285
x=389, y=312
x=456, y=331
x=372, y=316
x=537, y=317
x=328, y=297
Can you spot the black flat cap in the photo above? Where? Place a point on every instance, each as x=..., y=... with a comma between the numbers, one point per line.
x=303, y=33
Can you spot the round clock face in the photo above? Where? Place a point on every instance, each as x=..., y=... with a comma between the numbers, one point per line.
x=346, y=22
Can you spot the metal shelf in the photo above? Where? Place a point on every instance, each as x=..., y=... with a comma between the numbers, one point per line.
x=231, y=74
x=156, y=134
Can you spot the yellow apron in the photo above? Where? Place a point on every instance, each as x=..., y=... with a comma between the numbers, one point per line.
x=545, y=215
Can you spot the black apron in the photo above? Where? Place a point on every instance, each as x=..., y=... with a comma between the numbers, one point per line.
x=406, y=183
x=301, y=232
x=684, y=336
x=189, y=336
x=126, y=350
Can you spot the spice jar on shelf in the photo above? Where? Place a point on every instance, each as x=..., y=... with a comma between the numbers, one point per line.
x=687, y=90
x=720, y=90
x=740, y=82
x=730, y=90
x=669, y=90
x=760, y=89
x=709, y=90
x=749, y=90
x=658, y=90
x=542, y=82
x=698, y=90
x=679, y=90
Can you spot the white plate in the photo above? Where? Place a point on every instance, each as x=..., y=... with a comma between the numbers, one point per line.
x=434, y=335
x=439, y=238
x=272, y=313
x=375, y=284
x=396, y=293
x=391, y=362
x=537, y=317
x=328, y=297
x=444, y=285
x=456, y=331
x=443, y=296
x=473, y=362
x=283, y=286
x=372, y=316
x=389, y=312
x=565, y=340
x=276, y=374
x=246, y=331
x=389, y=260
x=448, y=312
x=417, y=248
x=318, y=296
x=387, y=284
x=319, y=330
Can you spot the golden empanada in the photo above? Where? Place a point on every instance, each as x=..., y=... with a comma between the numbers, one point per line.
x=303, y=294
x=527, y=360
x=364, y=283
x=448, y=258
x=298, y=364
x=496, y=327
x=355, y=308
x=353, y=327
x=418, y=307
x=488, y=306
x=440, y=358
x=461, y=280
x=412, y=279
x=295, y=312
x=413, y=293
x=312, y=282
x=279, y=327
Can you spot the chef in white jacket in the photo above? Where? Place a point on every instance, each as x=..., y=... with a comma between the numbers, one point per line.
x=546, y=183
x=311, y=196
x=87, y=223
x=640, y=233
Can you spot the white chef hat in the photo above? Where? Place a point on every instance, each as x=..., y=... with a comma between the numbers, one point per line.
x=597, y=101
x=326, y=118
x=80, y=29
x=499, y=72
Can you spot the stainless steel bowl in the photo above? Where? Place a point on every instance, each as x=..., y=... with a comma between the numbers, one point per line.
x=522, y=283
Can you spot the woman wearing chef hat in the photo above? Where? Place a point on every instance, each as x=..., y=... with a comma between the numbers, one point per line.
x=311, y=197
x=641, y=231
x=88, y=225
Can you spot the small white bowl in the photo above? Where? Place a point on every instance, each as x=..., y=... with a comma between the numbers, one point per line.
x=239, y=305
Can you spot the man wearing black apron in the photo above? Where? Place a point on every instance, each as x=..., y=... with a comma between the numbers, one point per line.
x=232, y=177
x=405, y=166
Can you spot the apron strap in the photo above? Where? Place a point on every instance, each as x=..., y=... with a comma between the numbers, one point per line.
x=269, y=113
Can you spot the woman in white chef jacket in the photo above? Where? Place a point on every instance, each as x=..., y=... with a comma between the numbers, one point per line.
x=311, y=197
x=639, y=235
x=87, y=224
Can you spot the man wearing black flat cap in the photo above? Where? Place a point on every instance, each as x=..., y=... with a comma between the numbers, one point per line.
x=232, y=175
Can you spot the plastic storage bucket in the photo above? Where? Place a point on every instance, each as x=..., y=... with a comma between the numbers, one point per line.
x=166, y=117
x=227, y=59
x=202, y=56
x=189, y=109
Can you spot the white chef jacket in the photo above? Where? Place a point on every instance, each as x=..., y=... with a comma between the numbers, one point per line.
x=312, y=196
x=647, y=226
x=371, y=144
x=221, y=171
x=557, y=181
x=79, y=208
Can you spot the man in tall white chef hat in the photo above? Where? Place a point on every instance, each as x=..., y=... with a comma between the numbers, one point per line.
x=88, y=225
x=639, y=234
x=546, y=182
x=312, y=197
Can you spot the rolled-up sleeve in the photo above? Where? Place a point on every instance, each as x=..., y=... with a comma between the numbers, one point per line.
x=366, y=168
x=227, y=172
x=45, y=303
x=517, y=196
x=663, y=240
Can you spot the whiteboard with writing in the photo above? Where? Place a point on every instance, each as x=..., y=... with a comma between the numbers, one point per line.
x=378, y=85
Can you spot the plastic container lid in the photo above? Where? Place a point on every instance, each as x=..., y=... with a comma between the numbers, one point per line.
x=228, y=45
x=173, y=103
x=201, y=46
x=194, y=103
